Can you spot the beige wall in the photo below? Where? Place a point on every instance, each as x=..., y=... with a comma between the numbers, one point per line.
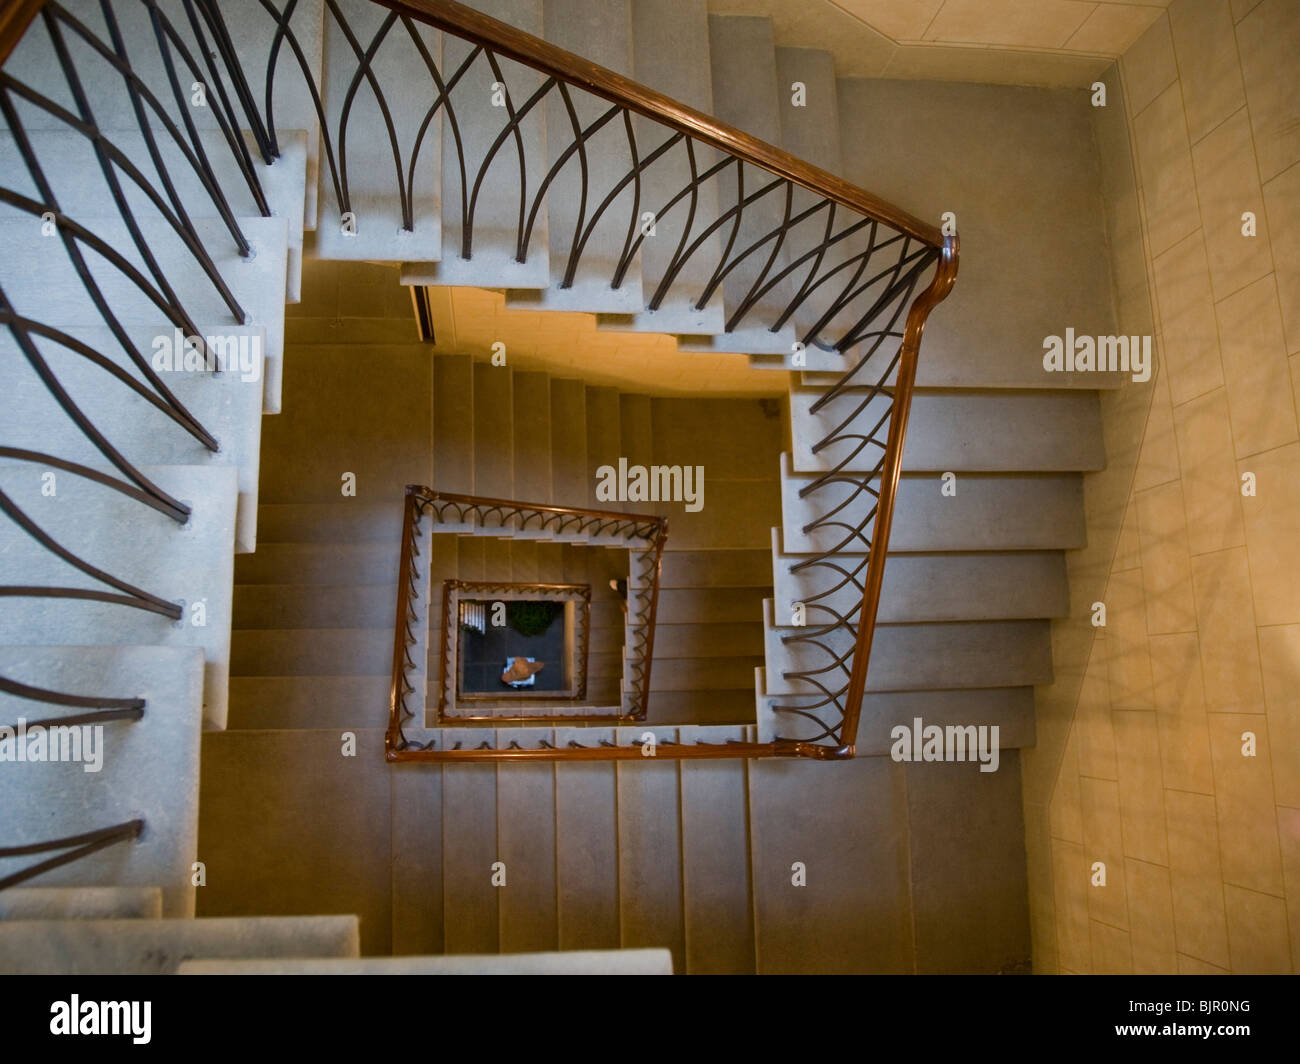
x=1140, y=762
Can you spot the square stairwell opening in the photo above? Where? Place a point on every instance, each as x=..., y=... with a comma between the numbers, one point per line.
x=503, y=651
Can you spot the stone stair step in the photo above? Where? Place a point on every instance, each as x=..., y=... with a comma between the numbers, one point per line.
x=600, y=32
x=307, y=606
x=72, y=168
x=564, y=962
x=271, y=703
x=470, y=848
x=531, y=400
x=319, y=563
x=811, y=131
x=928, y=587
x=670, y=53
x=81, y=903
x=670, y=675
x=718, y=605
x=569, y=483
x=348, y=521
x=249, y=25
x=714, y=568
x=379, y=230
x=1040, y=431
x=587, y=853
x=494, y=429
x=453, y=433
x=908, y=657
x=228, y=405
x=192, y=564
x=854, y=913
x=159, y=947
x=604, y=440
x=708, y=707
x=493, y=262
x=1010, y=708
x=718, y=920
x=527, y=844
x=746, y=95
x=706, y=640
x=988, y=512
x=649, y=849
x=1007, y=301
x=312, y=651
x=637, y=435
x=38, y=273
x=147, y=769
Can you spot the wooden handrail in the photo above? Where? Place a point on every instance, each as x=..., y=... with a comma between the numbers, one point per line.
x=663, y=752
x=917, y=314
x=459, y=498
x=505, y=40
x=15, y=17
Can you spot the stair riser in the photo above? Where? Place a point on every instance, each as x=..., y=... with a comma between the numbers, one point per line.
x=984, y=432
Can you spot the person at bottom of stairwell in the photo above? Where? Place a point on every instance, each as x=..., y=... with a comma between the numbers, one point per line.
x=521, y=669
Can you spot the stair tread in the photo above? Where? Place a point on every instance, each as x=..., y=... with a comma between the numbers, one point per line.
x=158, y=947
x=258, y=281
x=147, y=768
x=976, y=431
x=192, y=564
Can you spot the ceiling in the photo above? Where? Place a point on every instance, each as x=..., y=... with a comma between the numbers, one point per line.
x=1057, y=43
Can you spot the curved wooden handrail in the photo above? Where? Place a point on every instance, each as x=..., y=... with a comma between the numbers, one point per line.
x=15, y=16
x=917, y=315
x=506, y=40
x=663, y=752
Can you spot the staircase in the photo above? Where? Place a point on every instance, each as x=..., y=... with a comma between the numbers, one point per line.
x=319, y=594
x=240, y=513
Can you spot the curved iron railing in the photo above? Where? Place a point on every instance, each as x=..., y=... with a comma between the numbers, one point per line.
x=53, y=92
x=753, y=239
x=75, y=847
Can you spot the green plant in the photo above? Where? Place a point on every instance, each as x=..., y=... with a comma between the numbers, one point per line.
x=530, y=618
